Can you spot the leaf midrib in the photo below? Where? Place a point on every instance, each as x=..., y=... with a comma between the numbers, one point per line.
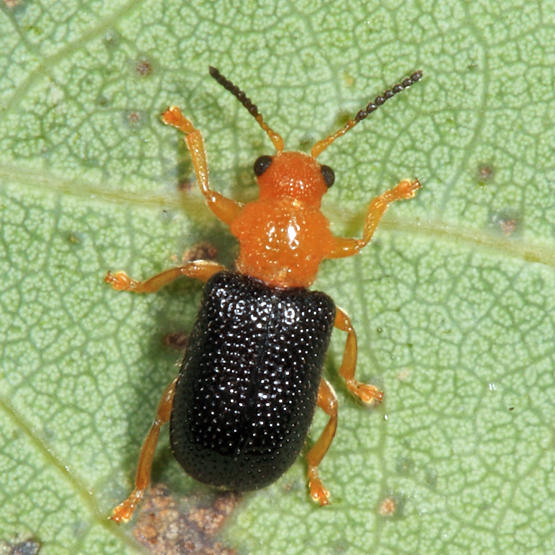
x=526, y=251
x=75, y=483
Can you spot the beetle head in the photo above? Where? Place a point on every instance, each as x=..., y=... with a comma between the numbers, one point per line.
x=294, y=174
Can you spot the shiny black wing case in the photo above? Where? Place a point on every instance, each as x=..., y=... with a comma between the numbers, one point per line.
x=249, y=381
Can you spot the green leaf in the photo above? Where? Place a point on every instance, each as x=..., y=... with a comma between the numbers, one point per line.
x=453, y=301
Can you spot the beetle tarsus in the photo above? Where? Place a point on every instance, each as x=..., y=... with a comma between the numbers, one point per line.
x=120, y=281
x=406, y=189
x=124, y=511
x=368, y=394
x=174, y=117
x=318, y=493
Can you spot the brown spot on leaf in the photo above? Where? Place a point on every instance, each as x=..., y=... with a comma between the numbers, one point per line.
x=200, y=251
x=508, y=226
x=143, y=68
x=508, y=223
x=177, y=340
x=165, y=527
x=485, y=173
x=134, y=117
x=387, y=507
x=185, y=185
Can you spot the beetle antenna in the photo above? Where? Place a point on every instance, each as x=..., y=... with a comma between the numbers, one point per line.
x=248, y=104
x=371, y=107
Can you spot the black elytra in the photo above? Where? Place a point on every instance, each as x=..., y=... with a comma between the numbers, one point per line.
x=248, y=385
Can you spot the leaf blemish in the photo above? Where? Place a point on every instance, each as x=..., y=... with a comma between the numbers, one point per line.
x=391, y=506
x=507, y=222
x=143, y=68
x=168, y=526
x=485, y=174
x=387, y=507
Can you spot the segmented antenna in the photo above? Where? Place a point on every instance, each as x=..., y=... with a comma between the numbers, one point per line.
x=248, y=104
x=389, y=93
x=370, y=107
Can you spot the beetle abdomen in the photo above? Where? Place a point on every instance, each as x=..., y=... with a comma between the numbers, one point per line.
x=249, y=382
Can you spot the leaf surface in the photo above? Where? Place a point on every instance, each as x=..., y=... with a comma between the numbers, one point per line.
x=453, y=302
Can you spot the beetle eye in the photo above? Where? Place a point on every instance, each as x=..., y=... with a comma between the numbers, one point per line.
x=261, y=164
x=329, y=176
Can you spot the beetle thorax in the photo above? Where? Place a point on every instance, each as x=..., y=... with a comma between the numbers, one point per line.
x=282, y=241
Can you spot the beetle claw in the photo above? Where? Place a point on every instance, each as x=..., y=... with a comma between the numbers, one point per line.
x=407, y=188
x=124, y=511
x=368, y=394
x=120, y=281
x=318, y=492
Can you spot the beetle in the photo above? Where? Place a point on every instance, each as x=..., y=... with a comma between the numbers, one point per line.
x=251, y=378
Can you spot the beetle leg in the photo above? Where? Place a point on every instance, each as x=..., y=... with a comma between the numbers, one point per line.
x=365, y=392
x=327, y=401
x=124, y=511
x=198, y=269
x=343, y=246
x=224, y=208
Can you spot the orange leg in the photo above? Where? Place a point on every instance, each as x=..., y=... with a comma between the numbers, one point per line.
x=198, y=269
x=343, y=246
x=224, y=208
x=365, y=392
x=124, y=511
x=327, y=401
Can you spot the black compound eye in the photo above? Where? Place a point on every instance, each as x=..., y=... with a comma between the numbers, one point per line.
x=329, y=176
x=261, y=164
